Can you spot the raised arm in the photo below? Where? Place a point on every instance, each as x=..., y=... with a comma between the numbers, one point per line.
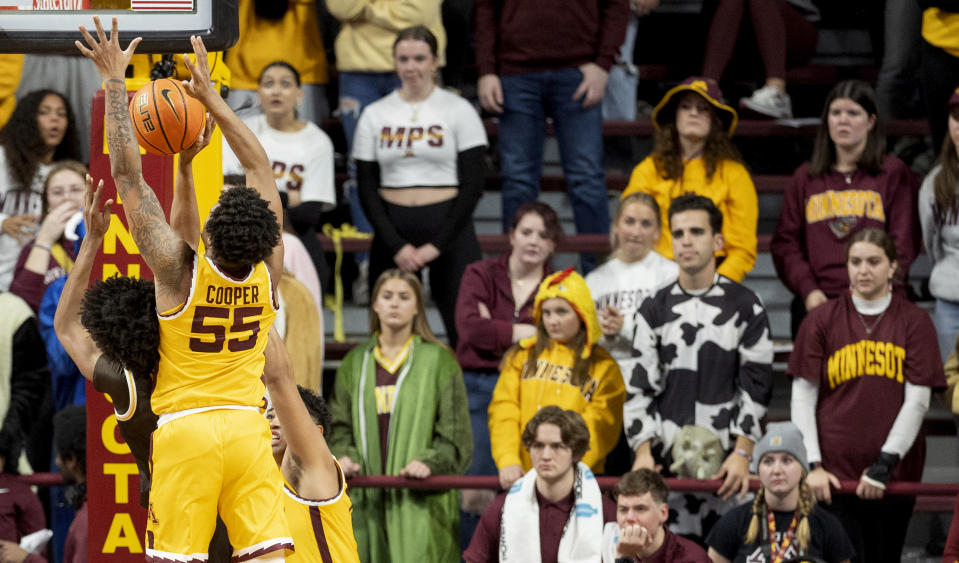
x=184, y=214
x=310, y=452
x=74, y=338
x=161, y=248
x=246, y=147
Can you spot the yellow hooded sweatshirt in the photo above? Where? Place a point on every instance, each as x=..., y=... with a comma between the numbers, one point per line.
x=518, y=395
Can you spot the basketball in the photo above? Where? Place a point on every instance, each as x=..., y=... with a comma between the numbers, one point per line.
x=167, y=120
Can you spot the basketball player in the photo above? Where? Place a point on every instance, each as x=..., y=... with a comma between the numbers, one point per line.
x=315, y=486
x=216, y=303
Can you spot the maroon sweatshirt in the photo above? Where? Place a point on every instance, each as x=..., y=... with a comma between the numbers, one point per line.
x=516, y=36
x=819, y=215
x=482, y=342
x=31, y=286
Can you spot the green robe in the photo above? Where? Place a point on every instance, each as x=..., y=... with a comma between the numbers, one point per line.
x=430, y=423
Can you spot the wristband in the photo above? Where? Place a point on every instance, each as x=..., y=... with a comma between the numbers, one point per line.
x=881, y=470
x=743, y=453
x=43, y=246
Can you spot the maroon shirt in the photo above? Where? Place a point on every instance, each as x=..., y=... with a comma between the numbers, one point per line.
x=676, y=549
x=30, y=286
x=553, y=516
x=517, y=36
x=20, y=510
x=951, y=552
x=384, y=379
x=862, y=379
x=482, y=342
x=822, y=213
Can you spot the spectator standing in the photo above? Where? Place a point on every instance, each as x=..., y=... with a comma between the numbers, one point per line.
x=701, y=355
x=867, y=359
x=555, y=512
x=40, y=131
x=420, y=162
x=692, y=153
x=494, y=310
x=640, y=533
x=562, y=365
x=539, y=59
x=367, y=72
x=300, y=153
x=783, y=30
x=783, y=522
x=939, y=216
x=619, y=101
x=849, y=184
x=940, y=60
x=399, y=408
x=265, y=24
x=634, y=272
x=902, y=38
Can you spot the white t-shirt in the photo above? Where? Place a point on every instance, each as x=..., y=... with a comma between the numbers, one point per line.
x=417, y=144
x=302, y=160
x=12, y=203
x=625, y=287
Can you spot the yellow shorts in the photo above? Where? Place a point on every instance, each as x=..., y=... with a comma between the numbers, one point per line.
x=210, y=462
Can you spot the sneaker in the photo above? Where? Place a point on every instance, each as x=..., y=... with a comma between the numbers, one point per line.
x=769, y=101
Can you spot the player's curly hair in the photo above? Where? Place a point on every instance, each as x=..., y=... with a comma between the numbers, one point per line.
x=121, y=317
x=22, y=143
x=318, y=409
x=243, y=230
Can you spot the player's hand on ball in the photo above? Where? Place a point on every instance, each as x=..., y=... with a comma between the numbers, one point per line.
x=633, y=540
x=415, y=469
x=106, y=54
x=187, y=155
x=96, y=221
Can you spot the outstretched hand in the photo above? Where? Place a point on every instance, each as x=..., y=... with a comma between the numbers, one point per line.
x=96, y=221
x=106, y=54
x=199, y=86
x=187, y=156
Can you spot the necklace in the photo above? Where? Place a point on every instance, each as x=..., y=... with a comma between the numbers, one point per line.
x=870, y=328
x=779, y=552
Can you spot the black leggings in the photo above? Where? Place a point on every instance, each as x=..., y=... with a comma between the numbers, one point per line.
x=419, y=225
x=940, y=76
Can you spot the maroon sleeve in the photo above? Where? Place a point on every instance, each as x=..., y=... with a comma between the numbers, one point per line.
x=484, y=547
x=486, y=27
x=495, y=335
x=809, y=348
x=31, y=517
x=27, y=285
x=75, y=549
x=31, y=558
x=615, y=17
x=788, y=248
x=902, y=221
x=923, y=365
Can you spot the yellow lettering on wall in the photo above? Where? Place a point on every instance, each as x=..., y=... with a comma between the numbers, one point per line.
x=122, y=534
x=121, y=473
x=108, y=437
x=118, y=231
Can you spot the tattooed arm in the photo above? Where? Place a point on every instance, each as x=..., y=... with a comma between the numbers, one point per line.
x=162, y=249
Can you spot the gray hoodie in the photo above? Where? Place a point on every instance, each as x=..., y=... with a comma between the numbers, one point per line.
x=941, y=242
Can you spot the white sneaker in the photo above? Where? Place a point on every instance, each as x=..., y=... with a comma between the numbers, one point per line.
x=769, y=101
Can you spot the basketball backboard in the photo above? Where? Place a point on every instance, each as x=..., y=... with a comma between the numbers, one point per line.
x=50, y=26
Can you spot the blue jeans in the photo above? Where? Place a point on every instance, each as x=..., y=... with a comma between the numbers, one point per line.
x=528, y=99
x=479, y=393
x=946, y=319
x=358, y=90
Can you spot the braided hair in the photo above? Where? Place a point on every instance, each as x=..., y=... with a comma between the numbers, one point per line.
x=806, y=504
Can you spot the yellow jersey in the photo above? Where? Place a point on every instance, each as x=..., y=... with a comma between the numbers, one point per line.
x=322, y=529
x=211, y=346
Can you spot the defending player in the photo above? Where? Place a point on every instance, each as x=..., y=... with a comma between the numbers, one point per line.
x=299, y=419
x=217, y=303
